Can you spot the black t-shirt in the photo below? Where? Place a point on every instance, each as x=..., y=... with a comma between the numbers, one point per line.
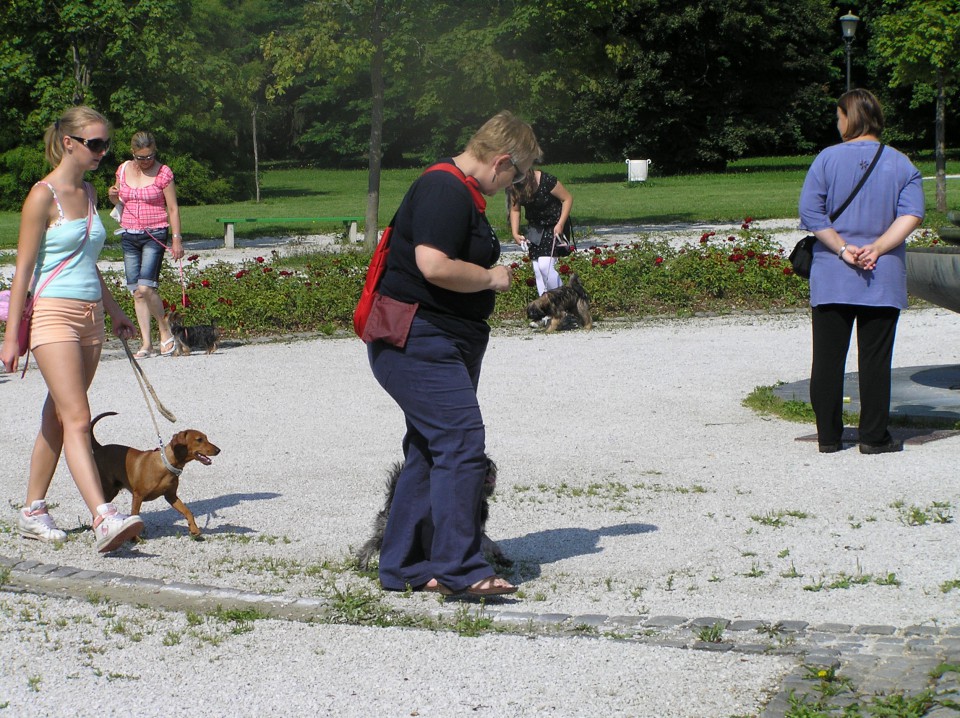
x=438, y=211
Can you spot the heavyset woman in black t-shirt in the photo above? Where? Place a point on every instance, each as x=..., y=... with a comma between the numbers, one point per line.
x=443, y=258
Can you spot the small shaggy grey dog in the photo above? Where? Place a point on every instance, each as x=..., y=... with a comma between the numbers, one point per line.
x=370, y=551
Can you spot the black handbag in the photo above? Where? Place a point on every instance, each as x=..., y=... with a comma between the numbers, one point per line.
x=801, y=258
x=564, y=245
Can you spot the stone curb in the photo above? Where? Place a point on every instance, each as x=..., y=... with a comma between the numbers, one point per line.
x=875, y=658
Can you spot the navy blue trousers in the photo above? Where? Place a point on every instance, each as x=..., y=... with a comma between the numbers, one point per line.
x=876, y=332
x=433, y=530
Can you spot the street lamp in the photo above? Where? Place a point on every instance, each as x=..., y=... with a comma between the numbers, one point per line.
x=848, y=24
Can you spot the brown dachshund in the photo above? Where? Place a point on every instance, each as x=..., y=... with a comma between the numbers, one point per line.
x=144, y=474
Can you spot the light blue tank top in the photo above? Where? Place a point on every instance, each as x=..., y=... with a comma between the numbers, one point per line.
x=78, y=279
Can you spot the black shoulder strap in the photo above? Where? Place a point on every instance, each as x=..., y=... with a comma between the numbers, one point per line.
x=856, y=190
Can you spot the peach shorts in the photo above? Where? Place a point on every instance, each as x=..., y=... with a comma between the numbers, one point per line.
x=66, y=320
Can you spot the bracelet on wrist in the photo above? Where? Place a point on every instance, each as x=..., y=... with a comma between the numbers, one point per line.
x=839, y=254
x=178, y=236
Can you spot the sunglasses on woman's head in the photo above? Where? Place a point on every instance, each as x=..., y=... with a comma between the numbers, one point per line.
x=518, y=176
x=94, y=144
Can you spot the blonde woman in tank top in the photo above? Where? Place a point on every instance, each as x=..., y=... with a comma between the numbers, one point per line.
x=60, y=226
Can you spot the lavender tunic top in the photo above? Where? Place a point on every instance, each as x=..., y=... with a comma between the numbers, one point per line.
x=893, y=189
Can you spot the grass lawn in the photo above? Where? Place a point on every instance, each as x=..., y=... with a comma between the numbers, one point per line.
x=762, y=188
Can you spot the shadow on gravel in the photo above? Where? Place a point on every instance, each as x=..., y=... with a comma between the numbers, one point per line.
x=542, y=547
x=161, y=523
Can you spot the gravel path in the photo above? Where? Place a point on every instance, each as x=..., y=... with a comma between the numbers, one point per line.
x=632, y=483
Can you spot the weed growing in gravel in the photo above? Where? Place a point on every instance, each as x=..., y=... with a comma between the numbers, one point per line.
x=830, y=694
x=755, y=571
x=938, y=512
x=777, y=519
x=612, y=495
x=33, y=683
x=711, y=634
x=948, y=586
x=791, y=572
x=845, y=581
x=469, y=623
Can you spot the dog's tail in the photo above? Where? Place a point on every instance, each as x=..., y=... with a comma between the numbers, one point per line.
x=93, y=423
x=575, y=284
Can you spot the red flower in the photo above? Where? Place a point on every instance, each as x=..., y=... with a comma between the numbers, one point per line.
x=751, y=254
x=658, y=260
x=607, y=262
x=531, y=282
x=239, y=275
x=705, y=236
x=514, y=265
x=285, y=273
x=205, y=283
x=596, y=250
x=267, y=270
x=564, y=269
x=193, y=257
x=595, y=261
x=186, y=301
x=788, y=271
x=260, y=260
x=740, y=269
x=526, y=258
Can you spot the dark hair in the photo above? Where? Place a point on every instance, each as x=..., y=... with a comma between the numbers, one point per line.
x=523, y=193
x=142, y=141
x=864, y=113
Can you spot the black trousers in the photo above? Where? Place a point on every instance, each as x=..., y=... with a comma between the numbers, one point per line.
x=876, y=331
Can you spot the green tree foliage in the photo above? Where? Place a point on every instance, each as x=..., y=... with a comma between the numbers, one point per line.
x=139, y=62
x=920, y=41
x=693, y=85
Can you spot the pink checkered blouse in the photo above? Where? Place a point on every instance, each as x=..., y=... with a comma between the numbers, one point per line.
x=144, y=207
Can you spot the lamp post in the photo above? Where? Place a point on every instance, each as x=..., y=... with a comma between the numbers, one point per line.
x=848, y=24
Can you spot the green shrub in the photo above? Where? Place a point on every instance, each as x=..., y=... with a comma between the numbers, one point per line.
x=318, y=292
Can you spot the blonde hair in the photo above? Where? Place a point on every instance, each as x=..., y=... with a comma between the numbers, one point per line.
x=505, y=133
x=142, y=140
x=71, y=122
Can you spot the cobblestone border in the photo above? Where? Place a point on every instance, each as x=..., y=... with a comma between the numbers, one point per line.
x=875, y=658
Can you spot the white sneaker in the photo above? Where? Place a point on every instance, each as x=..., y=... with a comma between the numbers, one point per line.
x=35, y=523
x=113, y=529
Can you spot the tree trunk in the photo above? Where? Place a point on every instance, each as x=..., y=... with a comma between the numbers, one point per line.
x=256, y=155
x=376, y=130
x=940, y=140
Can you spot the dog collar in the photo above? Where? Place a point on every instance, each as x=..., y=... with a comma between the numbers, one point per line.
x=166, y=462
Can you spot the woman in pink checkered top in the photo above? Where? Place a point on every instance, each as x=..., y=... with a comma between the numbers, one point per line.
x=149, y=216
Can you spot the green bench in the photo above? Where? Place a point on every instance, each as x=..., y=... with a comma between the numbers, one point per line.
x=349, y=223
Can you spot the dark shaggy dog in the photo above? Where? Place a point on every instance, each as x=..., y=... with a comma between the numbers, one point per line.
x=199, y=336
x=370, y=551
x=566, y=307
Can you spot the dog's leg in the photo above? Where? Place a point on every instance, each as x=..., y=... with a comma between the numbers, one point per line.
x=176, y=503
x=493, y=552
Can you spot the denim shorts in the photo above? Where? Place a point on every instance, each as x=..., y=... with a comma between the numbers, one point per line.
x=142, y=257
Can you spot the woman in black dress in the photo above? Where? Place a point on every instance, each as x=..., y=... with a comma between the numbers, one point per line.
x=546, y=203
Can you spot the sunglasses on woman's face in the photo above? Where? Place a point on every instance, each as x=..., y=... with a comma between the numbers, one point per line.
x=94, y=144
x=144, y=158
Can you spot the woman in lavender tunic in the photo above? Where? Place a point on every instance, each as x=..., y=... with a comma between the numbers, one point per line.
x=859, y=269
